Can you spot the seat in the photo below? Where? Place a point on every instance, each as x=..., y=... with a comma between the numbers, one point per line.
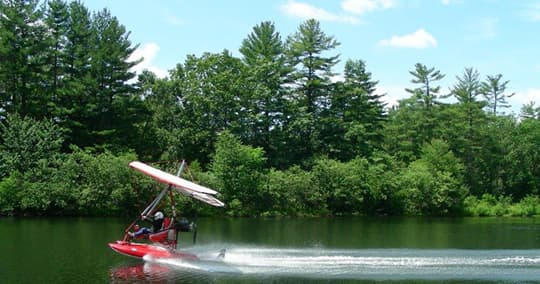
x=167, y=221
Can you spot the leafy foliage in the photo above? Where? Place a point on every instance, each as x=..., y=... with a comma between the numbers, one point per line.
x=27, y=144
x=523, y=160
x=432, y=185
x=275, y=130
x=239, y=170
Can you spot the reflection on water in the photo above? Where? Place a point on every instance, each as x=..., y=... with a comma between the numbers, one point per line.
x=243, y=263
x=150, y=272
x=333, y=250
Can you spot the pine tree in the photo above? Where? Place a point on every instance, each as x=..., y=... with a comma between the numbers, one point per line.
x=494, y=91
x=56, y=19
x=263, y=53
x=530, y=111
x=426, y=96
x=110, y=69
x=464, y=126
x=22, y=58
x=356, y=115
x=74, y=109
x=313, y=70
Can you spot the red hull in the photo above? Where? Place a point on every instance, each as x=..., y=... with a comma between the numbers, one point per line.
x=139, y=250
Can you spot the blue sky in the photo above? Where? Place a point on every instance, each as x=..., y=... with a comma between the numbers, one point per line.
x=491, y=36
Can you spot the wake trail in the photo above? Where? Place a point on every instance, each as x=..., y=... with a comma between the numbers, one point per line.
x=376, y=264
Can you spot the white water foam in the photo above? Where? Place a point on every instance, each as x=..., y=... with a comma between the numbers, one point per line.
x=376, y=264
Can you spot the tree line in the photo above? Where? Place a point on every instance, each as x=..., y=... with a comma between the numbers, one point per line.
x=272, y=130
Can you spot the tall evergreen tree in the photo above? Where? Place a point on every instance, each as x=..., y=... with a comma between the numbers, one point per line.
x=467, y=91
x=530, y=111
x=263, y=45
x=110, y=67
x=426, y=94
x=263, y=53
x=466, y=124
x=56, y=19
x=356, y=114
x=365, y=107
x=426, y=97
x=22, y=58
x=306, y=50
x=75, y=105
x=415, y=122
x=494, y=91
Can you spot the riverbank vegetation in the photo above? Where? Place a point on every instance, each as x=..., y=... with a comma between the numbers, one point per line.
x=273, y=130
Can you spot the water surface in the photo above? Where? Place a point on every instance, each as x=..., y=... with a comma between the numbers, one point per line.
x=334, y=250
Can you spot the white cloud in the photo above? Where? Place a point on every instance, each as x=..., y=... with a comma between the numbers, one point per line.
x=360, y=7
x=147, y=52
x=306, y=11
x=417, y=39
x=525, y=97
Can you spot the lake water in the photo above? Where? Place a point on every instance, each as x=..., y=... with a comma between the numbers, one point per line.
x=334, y=250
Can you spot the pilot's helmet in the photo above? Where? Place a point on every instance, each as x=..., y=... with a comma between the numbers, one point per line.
x=158, y=215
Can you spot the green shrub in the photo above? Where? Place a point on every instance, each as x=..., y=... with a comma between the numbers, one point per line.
x=489, y=205
x=528, y=206
x=433, y=185
x=8, y=193
x=239, y=171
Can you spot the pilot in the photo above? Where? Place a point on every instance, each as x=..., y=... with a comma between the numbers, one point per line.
x=157, y=223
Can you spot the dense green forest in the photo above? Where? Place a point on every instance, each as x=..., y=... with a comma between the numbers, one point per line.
x=272, y=129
